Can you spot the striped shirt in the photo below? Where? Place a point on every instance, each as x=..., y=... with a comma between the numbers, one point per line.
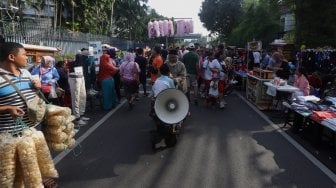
x=9, y=96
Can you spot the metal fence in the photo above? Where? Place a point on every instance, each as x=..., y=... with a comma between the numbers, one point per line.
x=40, y=32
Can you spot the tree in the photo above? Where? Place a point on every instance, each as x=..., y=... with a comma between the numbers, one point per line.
x=220, y=16
x=260, y=21
x=315, y=23
x=131, y=17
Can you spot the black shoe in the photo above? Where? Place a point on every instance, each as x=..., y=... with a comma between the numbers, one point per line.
x=130, y=106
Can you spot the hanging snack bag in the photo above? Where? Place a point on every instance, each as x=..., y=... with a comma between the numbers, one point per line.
x=7, y=159
x=44, y=158
x=27, y=156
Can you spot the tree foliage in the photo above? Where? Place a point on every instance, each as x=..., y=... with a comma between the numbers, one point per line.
x=130, y=17
x=315, y=23
x=260, y=21
x=220, y=16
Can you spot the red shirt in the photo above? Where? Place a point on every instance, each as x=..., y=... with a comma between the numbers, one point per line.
x=157, y=63
x=106, y=69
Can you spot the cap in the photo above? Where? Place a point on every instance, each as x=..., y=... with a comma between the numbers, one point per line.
x=191, y=45
x=172, y=52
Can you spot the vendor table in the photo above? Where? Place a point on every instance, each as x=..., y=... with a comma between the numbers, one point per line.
x=305, y=120
x=281, y=93
x=256, y=91
x=285, y=88
x=242, y=75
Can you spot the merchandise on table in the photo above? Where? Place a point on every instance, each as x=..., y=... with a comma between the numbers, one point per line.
x=264, y=74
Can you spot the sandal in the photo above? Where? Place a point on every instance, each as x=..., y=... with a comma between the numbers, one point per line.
x=50, y=183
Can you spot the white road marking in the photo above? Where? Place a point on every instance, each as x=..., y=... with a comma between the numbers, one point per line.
x=63, y=154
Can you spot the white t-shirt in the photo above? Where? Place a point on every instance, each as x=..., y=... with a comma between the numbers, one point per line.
x=207, y=71
x=162, y=83
x=214, y=64
x=256, y=57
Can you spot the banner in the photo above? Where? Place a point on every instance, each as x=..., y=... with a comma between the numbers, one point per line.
x=97, y=52
x=254, y=45
x=165, y=28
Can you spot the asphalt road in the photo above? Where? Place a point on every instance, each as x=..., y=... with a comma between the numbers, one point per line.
x=230, y=148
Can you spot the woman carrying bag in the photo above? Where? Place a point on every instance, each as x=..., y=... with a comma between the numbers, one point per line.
x=129, y=72
x=107, y=83
x=49, y=76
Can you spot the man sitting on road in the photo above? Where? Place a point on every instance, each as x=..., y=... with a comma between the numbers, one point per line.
x=163, y=82
x=163, y=135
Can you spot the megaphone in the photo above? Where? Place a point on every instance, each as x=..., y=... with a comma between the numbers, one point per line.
x=171, y=106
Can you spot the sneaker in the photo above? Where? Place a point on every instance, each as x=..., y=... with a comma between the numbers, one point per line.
x=80, y=122
x=92, y=92
x=233, y=81
x=84, y=118
x=73, y=118
x=161, y=144
x=222, y=104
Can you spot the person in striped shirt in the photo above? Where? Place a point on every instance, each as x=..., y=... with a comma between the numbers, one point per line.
x=13, y=60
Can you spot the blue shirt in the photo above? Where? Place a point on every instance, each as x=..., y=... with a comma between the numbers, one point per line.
x=51, y=76
x=9, y=96
x=266, y=60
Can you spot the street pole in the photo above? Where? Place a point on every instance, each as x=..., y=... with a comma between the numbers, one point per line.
x=73, y=15
x=55, y=16
x=60, y=22
x=111, y=21
x=167, y=42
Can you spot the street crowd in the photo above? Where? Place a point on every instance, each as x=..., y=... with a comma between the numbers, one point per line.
x=203, y=74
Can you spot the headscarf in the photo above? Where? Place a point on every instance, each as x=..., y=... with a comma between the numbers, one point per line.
x=129, y=57
x=104, y=59
x=111, y=52
x=47, y=61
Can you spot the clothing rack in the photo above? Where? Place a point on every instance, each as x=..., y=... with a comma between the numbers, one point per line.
x=323, y=60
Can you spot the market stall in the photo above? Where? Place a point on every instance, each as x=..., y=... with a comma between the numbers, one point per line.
x=35, y=53
x=280, y=91
x=315, y=116
x=256, y=91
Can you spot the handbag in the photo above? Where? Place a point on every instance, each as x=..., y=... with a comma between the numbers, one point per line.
x=59, y=91
x=36, y=107
x=46, y=88
x=53, y=94
x=213, y=90
x=136, y=73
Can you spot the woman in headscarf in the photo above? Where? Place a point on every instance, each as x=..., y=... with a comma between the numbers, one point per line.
x=129, y=72
x=49, y=76
x=106, y=81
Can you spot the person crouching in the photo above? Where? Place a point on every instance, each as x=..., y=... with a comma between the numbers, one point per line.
x=163, y=135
